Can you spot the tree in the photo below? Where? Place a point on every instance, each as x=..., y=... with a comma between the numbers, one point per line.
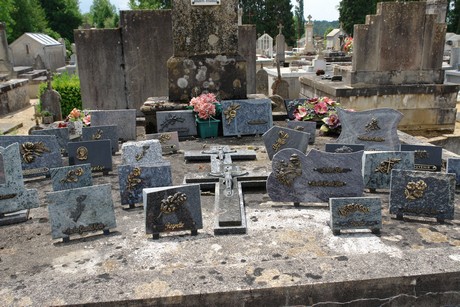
x=150, y=4
x=28, y=16
x=299, y=19
x=453, y=17
x=104, y=14
x=63, y=16
x=6, y=9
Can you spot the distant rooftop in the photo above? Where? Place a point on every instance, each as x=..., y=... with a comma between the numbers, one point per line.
x=43, y=39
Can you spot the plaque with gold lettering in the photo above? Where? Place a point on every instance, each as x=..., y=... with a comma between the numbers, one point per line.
x=96, y=153
x=169, y=141
x=278, y=138
x=97, y=133
x=426, y=158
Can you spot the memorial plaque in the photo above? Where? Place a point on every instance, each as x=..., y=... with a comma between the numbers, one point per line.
x=96, y=133
x=453, y=167
x=314, y=177
x=343, y=148
x=205, y=2
x=124, y=119
x=291, y=106
x=246, y=117
x=96, y=153
x=304, y=126
x=172, y=209
x=134, y=178
x=425, y=194
x=62, y=136
x=183, y=122
x=81, y=210
x=376, y=129
x=279, y=138
x=39, y=153
x=71, y=177
x=169, y=141
x=356, y=213
x=377, y=167
x=143, y=152
x=426, y=158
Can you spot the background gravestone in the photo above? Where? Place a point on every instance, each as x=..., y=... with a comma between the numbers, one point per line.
x=124, y=119
x=62, y=136
x=262, y=82
x=51, y=102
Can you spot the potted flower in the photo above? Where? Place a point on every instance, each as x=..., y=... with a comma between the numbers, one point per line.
x=77, y=119
x=207, y=109
x=323, y=111
x=47, y=117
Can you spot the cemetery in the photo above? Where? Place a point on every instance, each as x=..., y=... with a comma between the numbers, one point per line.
x=288, y=201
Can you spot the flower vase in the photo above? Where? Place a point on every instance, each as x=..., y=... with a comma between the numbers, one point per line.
x=207, y=128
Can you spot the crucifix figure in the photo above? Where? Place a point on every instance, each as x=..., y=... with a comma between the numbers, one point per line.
x=280, y=28
x=229, y=175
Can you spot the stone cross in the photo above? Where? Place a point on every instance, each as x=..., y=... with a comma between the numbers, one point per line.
x=309, y=18
x=280, y=28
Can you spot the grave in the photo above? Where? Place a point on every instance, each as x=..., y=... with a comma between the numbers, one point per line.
x=246, y=117
x=169, y=141
x=279, y=138
x=280, y=46
x=453, y=167
x=309, y=39
x=71, y=177
x=262, y=82
x=96, y=133
x=426, y=158
x=183, y=122
x=290, y=78
x=143, y=152
x=62, y=136
x=304, y=126
x=96, y=153
x=343, y=148
x=51, y=101
x=124, y=119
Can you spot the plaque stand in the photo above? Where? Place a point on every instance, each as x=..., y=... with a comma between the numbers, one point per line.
x=14, y=217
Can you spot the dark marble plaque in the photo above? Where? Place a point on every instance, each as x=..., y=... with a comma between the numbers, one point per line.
x=426, y=158
x=183, y=122
x=246, y=117
x=343, y=148
x=142, y=152
x=71, y=177
x=425, y=194
x=304, y=126
x=169, y=141
x=97, y=133
x=453, y=167
x=314, y=177
x=62, y=136
x=124, y=119
x=356, y=213
x=172, y=209
x=279, y=138
x=96, y=153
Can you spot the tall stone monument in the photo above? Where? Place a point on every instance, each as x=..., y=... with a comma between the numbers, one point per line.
x=206, y=58
x=6, y=64
x=309, y=46
x=280, y=46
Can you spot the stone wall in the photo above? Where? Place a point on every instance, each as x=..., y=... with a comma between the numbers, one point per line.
x=13, y=96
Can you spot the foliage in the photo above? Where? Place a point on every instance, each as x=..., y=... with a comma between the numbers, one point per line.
x=28, y=16
x=299, y=19
x=104, y=14
x=321, y=110
x=326, y=32
x=63, y=16
x=6, y=9
x=205, y=105
x=68, y=86
x=453, y=17
x=150, y=4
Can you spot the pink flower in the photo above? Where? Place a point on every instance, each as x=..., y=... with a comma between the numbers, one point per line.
x=204, y=105
x=321, y=108
x=332, y=121
x=300, y=113
x=87, y=120
x=329, y=101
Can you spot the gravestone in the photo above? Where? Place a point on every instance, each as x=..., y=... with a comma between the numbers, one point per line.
x=262, y=82
x=124, y=119
x=314, y=177
x=355, y=213
x=453, y=167
x=183, y=122
x=169, y=141
x=279, y=138
x=309, y=39
x=246, y=117
x=71, y=177
x=96, y=153
x=96, y=133
x=81, y=210
x=425, y=194
x=377, y=167
x=172, y=209
x=426, y=158
x=280, y=47
x=343, y=148
x=143, y=152
x=376, y=129
x=304, y=126
x=62, y=136
x=6, y=62
x=51, y=101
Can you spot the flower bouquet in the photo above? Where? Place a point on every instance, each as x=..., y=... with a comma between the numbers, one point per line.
x=322, y=110
x=75, y=121
x=206, y=108
x=348, y=46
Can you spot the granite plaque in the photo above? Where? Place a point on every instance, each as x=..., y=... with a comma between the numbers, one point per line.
x=291, y=106
x=71, y=177
x=96, y=133
x=62, y=136
x=183, y=122
x=304, y=126
x=425, y=194
x=96, y=153
x=39, y=153
x=343, y=148
x=13, y=194
x=376, y=129
x=453, y=167
x=81, y=210
x=377, y=167
x=169, y=141
x=133, y=179
x=426, y=158
x=143, y=152
x=279, y=138
x=314, y=177
x=125, y=120
x=356, y=213
x=246, y=117
x=172, y=209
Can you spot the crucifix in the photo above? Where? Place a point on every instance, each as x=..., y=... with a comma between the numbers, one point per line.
x=280, y=28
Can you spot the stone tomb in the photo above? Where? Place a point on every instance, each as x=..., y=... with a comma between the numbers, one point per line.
x=62, y=136
x=171, y=209
x=377, y=167
x=14, y=196
x=71, y=177
x=453, y=167
x=143, y=152
x=425, y=194
x=246, y=117
x=304, y=126
x=426, y=158
x=279, y=138
x=81, y=210
x=96, y=133
x=169, y=141
x=376, y=129
x=314, y=177
x=125, y=120
x=356, y=213
x=96, y=153
x=182, y=121
x=343, y=148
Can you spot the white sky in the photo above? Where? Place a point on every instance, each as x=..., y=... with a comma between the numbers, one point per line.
x=318, y=9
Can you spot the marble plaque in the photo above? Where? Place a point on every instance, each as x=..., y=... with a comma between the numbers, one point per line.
x=377, y=167
x=279, y=138
x=169, y=141
x=291, y=106
x=81, y=210
x=13, y=194
x=96, y=133
x=96, y=153
x=183, y=122
x=62, y=136
x=426, y=158
x=124, y=119
x=143, y=152
x=314, y=177
x=246, y=117
x=133, y=179
x=71, y=177
x=425, y=194
x=39, y=153
x=355, y=213
x=304, y=126
x=376, y=129
x=172, y=209
x=453, y=167
x=343, y=148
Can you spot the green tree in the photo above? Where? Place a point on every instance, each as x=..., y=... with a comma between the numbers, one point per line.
x=453, y=17
x=63, y=16
x=104, y=14
x=150, y=4
x=6, y=9
x=299, y=19
x=28, y=16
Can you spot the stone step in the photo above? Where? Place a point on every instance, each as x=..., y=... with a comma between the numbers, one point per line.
x=19, y=70
x=34, y=74
x=4, y=77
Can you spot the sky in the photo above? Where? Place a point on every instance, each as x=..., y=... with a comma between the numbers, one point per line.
x=318, y=9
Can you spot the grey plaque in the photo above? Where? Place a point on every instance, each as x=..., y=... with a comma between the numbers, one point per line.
x=304, y=126
x=143, y=152
x=62, y=136
x=71, y=177
x=124, y=119
x=96, y=153
x=96, y=133
x=453, y=166
x=246, y=117
x=426, y=158
x=169, y=141
x=343, y=148
x=279, y=138
x=181, y=121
